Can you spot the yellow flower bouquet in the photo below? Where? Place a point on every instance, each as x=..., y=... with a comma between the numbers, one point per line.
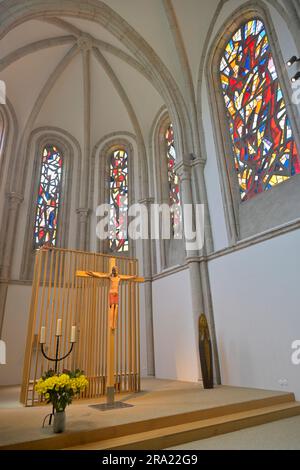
x=60, y=389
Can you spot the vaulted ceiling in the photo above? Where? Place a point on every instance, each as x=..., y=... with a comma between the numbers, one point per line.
x=34, y=50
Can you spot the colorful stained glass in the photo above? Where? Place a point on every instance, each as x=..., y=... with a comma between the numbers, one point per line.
x=118, y=201
x=262, y=139
x=174, y=193
x=49, y=194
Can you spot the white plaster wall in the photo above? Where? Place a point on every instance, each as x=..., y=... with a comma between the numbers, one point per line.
x=26, y=33
x=212, y=177
x=149, y=19
x=139, y=92
x=254, y=291
x=176, y=354
x=15, y=333
x=63, y=107
x=22, y=224
x=288, y=48
x=25, y=78
x=143, y=334
x=256, y=299
x=192, y=19
x=4, y=164
x=108, y=113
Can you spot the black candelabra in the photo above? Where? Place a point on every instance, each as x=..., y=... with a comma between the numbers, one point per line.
x=57, y=358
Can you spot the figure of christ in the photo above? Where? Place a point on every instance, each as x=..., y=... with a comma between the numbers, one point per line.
x=114, y=278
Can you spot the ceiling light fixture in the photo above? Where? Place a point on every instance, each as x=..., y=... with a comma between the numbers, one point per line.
x=292, y=61
x=295, y=77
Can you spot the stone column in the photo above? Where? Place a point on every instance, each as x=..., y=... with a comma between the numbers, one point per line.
x=85, y=43
x=83, y=219
x=191, y=172
x=147, y=260
x=208, y=309
x=198, y=166
x=14, y=201
x=295, y=4
x=184, y=171
x=3, y=295
x=198, y=171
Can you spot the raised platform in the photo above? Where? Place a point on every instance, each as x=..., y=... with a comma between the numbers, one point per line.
x=164, y=414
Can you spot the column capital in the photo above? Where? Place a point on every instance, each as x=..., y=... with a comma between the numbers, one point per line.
x=83, y=214
x=147, y=201
x=14, y=199
x=85, y=42
x=199, y=161
x=183, y=168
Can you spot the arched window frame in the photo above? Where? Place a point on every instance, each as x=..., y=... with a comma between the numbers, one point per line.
x=54, y=150
x=171, y=252
x=104, y=187
x=7, y=157
x=66, y=151
x=251, y=217
x=5, y=125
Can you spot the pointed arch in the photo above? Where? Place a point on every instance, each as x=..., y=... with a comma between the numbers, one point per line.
x=249, y=217
x=110, y=150
x=15, y=13
x=167, y=188
x=263, y=144
x=42, y=141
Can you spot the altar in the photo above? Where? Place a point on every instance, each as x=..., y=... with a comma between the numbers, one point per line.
x=77, y=308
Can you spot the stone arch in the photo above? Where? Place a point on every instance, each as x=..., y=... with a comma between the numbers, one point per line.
x=169, y=250
x=8, y=153
x=16, y=12
x=102, y=152
x=68, y=147
x=291, y=23
x=232, y=206
x=9, y=138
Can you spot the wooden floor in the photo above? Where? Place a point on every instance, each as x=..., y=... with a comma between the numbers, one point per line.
x=164, y=414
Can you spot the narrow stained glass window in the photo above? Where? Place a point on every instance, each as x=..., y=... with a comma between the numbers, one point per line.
x=49, y=195
x=174, y=193
x=264, y=149
x=118, y=201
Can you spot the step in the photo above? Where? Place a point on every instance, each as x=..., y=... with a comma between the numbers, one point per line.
x=128, y=429
x=171, y=436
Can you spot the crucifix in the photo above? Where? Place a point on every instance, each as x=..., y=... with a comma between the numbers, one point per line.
x=113, y=306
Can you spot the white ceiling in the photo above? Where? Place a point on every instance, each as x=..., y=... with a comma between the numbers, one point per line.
x=63, y=107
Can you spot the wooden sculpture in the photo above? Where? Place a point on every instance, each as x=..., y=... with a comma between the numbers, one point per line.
x=102, y=309
x=205, y=351
x=114, y=281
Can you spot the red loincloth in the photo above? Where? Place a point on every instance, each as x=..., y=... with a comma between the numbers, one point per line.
x=113, y=298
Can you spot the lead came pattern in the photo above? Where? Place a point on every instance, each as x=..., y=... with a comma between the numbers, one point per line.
x=49, y=195
x=264, y=149
x=118, y=201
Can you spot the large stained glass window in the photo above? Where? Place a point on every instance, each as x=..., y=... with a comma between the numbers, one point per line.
x=49, y=195
x=264, y=149
x=118, y=200
x=174, y=194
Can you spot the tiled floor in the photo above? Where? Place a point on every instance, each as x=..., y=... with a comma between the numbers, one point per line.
x=280, y=435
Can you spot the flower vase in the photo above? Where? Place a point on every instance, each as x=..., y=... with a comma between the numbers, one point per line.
x=59, y=424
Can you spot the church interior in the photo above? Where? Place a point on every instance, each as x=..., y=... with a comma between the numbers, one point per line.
x=146, y=339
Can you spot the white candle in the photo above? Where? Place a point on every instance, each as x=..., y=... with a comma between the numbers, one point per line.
x=73, y=334
x=58, y=327
x=43, y=335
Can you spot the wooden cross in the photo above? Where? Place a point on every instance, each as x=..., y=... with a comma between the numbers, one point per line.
x=115, y=279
